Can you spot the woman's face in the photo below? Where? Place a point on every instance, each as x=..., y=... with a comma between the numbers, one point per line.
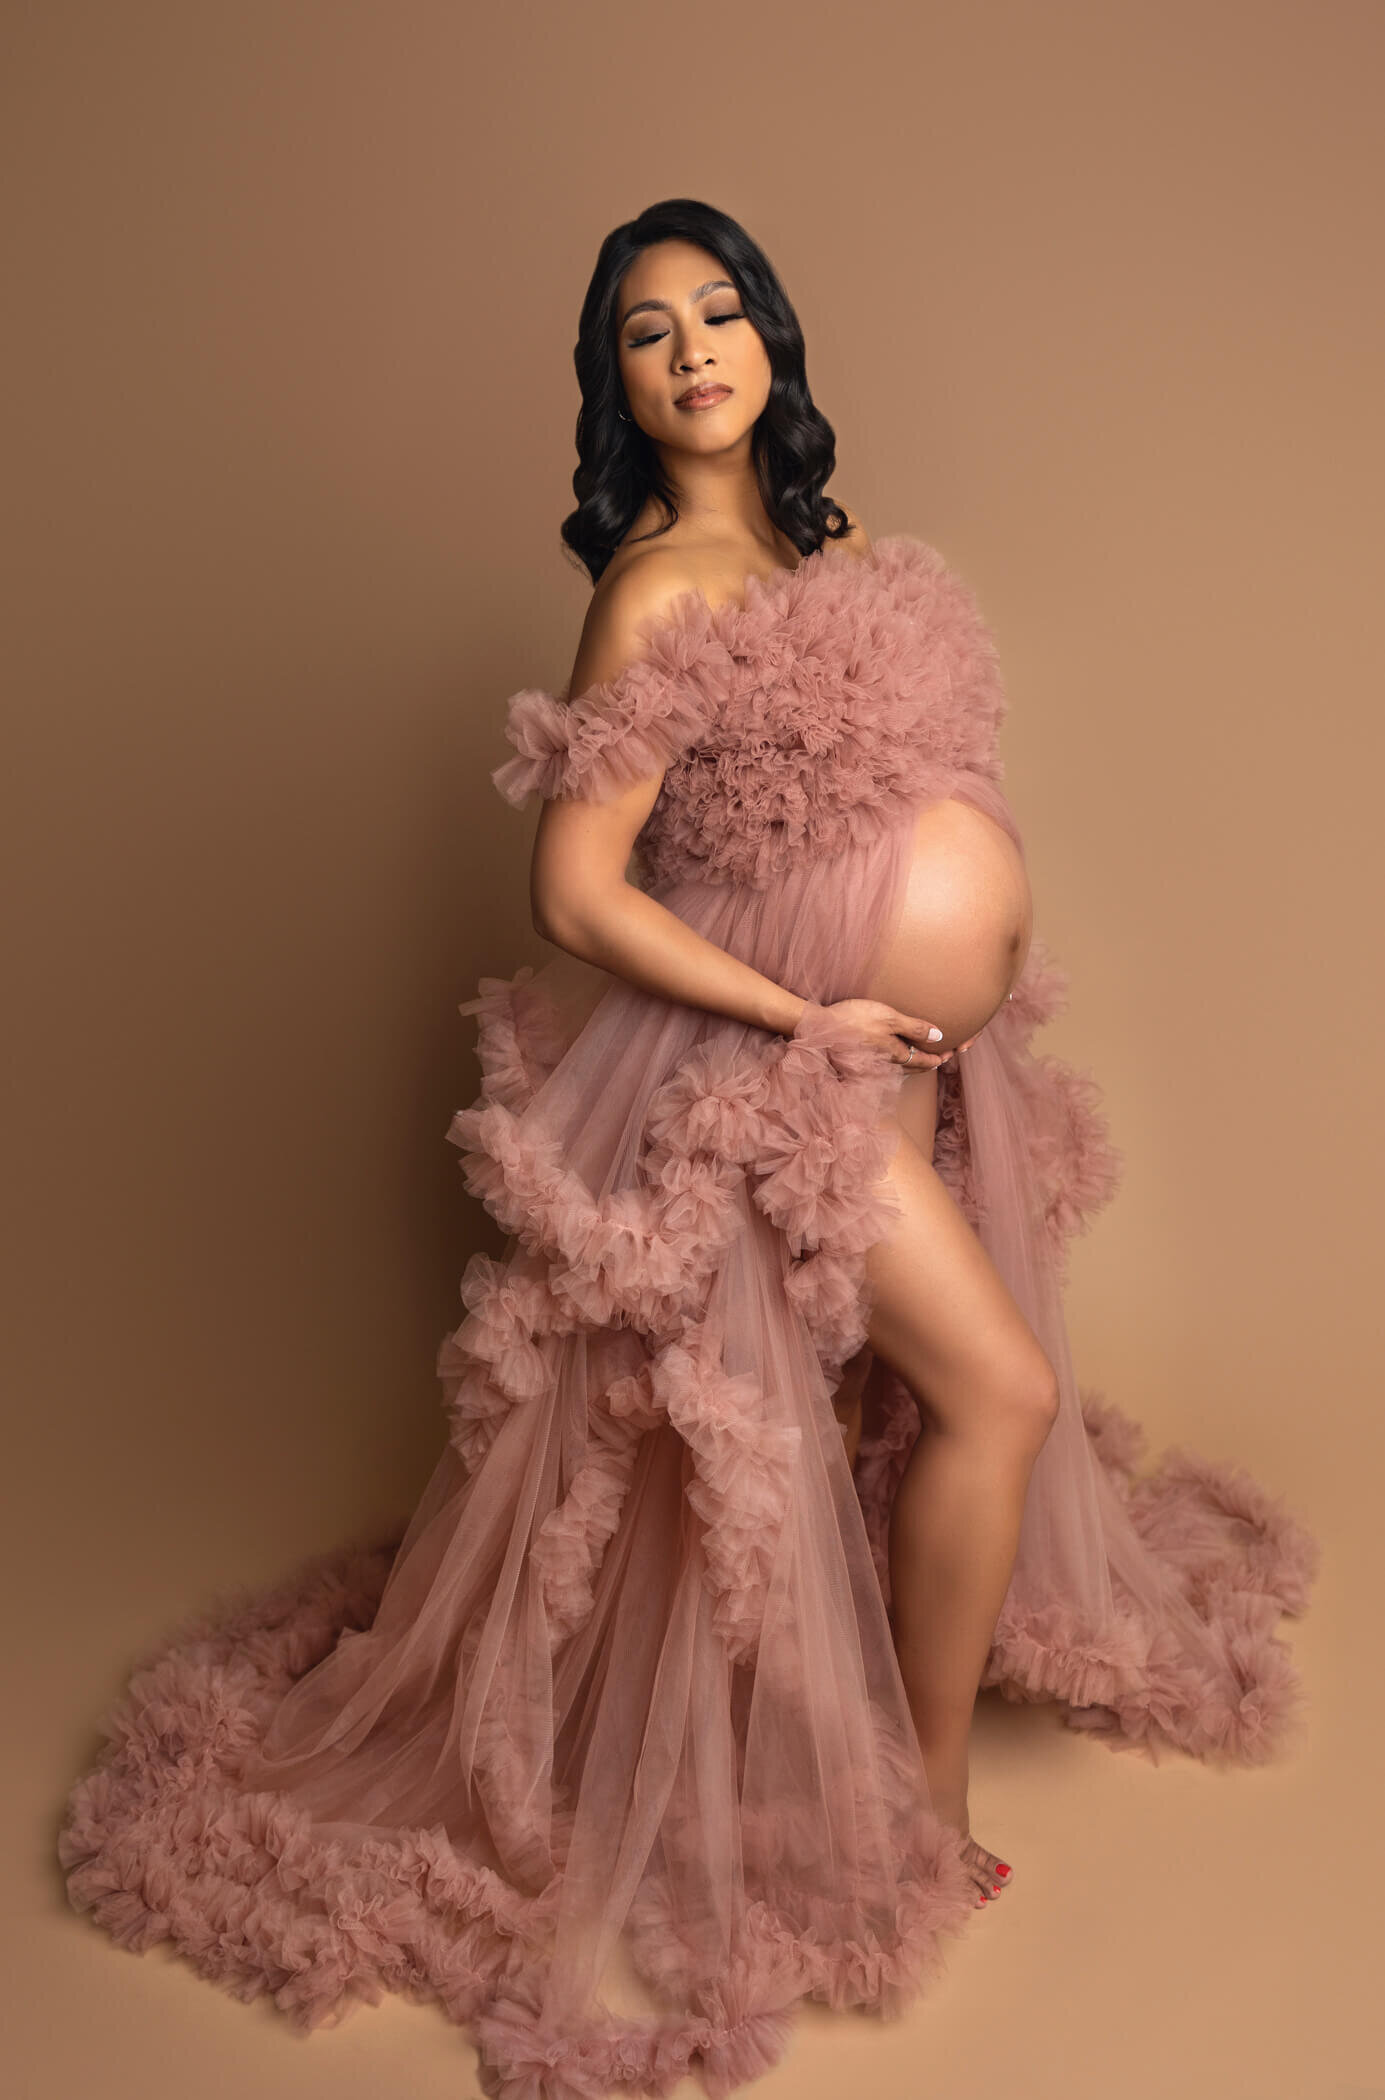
x=681, y=325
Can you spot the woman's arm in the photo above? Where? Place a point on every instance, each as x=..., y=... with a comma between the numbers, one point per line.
x=579, y=894
x=583, y=902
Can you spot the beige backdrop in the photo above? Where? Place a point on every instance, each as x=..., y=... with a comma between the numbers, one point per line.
x=1093, y=299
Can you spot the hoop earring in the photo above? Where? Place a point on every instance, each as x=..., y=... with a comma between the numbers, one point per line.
x=623, y=417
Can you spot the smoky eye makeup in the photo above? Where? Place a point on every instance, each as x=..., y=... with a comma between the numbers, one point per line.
x=655, y=335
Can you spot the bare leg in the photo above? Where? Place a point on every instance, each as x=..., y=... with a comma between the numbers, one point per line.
x=945, y=1321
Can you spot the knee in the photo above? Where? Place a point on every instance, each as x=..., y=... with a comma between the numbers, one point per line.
x=1031, y=1398
x=1022, y=1401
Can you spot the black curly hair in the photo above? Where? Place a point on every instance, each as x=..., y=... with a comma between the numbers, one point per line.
x=792, y=444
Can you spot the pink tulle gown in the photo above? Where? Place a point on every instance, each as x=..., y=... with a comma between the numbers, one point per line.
x=610, y=1752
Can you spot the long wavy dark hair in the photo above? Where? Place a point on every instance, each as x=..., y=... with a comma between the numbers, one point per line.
x=792, y=444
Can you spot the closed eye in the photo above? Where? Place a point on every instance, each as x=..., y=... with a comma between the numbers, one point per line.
x=713, y=321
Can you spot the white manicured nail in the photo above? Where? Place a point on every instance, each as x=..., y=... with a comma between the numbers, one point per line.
x=935, y=1035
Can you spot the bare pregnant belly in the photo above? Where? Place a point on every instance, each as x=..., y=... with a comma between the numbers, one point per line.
x=965, y=924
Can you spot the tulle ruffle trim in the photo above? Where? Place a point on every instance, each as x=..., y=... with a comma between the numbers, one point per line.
x=792, y=1125
x=161, y=1843
x=596, y=743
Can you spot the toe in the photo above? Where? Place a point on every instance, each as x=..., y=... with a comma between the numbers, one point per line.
x=989, y=1865
x=974, y=1858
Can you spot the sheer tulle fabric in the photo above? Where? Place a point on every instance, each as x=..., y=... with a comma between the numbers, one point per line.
x=609, y=1751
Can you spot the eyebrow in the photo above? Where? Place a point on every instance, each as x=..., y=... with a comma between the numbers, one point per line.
x=713, y=284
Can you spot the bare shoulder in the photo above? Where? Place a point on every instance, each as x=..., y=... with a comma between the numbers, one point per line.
x=858, y=539
x=634, y=590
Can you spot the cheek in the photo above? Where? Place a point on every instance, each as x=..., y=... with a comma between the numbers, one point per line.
x=752, y=361
x=748, y=371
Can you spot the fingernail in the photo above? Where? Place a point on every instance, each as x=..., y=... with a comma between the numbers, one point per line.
x=935, y=1035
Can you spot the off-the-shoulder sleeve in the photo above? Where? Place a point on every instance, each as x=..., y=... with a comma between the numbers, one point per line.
x=597, y=744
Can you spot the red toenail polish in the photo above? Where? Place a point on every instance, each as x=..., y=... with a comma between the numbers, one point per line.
x=1002, y=1868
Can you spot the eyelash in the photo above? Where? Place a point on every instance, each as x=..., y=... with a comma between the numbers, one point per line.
x=713, y=321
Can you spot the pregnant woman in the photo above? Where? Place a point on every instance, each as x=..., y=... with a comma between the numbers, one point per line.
x=764, y=1445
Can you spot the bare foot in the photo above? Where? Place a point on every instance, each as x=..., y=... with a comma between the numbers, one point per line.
x=991, y=1874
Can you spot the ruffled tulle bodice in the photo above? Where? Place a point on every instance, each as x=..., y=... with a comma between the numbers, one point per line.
x=830, y=703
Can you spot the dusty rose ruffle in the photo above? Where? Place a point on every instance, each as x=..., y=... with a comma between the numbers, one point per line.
x=791, y=1122
x=1242, y=1562
x=596, y=743
x=159, y=1841
x=161, y=1844
x=837, y=697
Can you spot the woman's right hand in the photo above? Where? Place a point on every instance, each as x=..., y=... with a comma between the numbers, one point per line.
x=882, y=1026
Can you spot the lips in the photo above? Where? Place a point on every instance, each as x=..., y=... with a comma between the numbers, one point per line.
x=702, y=396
